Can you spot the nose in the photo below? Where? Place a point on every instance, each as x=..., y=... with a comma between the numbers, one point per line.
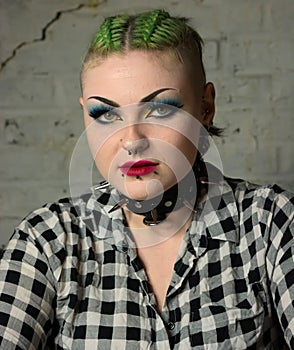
x=134, y=139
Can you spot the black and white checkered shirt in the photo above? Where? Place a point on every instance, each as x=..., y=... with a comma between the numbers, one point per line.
x=70, y=280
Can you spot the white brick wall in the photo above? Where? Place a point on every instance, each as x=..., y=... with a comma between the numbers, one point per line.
x=248, y=55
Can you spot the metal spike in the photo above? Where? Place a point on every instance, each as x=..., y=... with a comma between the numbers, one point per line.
x=189, y=206
x=102, y=185
x=118, y=205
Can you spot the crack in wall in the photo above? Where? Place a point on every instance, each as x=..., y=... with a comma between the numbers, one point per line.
x=43, y=36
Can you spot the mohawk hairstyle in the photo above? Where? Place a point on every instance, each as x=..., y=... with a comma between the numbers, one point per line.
x=153, y=30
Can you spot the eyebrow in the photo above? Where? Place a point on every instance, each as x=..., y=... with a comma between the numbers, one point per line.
x=147, y=98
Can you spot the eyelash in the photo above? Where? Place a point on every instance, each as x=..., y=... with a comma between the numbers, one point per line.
x=97, y=112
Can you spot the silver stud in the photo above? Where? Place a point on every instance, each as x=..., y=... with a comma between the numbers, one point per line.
x=168, y=203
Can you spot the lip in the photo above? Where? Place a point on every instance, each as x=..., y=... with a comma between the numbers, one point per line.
x=139, y=168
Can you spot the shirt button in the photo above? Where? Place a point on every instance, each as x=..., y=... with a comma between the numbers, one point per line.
x=170, y=326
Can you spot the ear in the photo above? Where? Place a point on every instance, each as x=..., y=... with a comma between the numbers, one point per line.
x=82, y=103
x=207, y=104
x=81, y=100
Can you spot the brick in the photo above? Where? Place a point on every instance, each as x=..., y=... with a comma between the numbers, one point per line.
x=21, y=163
x=23, y=92
x=285, y=158
x=21, y=197
x=282, y=13
x=211, y=54
x=32, y=127
x=282, y=132
x=7, y=226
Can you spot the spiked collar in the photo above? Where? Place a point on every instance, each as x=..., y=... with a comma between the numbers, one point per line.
x=186, y=192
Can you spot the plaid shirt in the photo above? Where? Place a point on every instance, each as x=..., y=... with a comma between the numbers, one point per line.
x=70, y=279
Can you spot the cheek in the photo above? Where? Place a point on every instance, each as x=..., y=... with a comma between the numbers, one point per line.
x=103, y=150
x=105, y=155
x=104, y=164
x=184, y=145
x=188, y=150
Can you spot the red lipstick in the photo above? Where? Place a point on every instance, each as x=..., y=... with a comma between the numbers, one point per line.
x=139, y=168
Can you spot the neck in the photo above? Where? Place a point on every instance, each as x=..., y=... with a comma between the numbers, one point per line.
x=175, y=224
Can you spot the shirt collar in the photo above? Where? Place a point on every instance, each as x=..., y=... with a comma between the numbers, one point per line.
x=218, y=214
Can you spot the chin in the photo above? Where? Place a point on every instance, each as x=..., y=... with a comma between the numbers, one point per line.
x=142, y=189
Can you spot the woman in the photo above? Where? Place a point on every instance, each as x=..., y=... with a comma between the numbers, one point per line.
x=166, y=253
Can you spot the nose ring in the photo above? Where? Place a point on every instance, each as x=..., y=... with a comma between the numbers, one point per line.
x=130, y=152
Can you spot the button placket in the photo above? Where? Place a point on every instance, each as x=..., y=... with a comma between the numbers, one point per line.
x=171, y=326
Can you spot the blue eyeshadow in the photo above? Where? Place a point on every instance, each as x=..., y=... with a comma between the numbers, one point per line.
x=169, y=101
x=98, y=110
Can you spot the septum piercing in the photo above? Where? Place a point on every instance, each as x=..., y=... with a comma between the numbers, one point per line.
x=130, y=152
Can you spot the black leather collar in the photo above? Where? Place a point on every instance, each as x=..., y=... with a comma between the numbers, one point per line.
x=155, y=209
x=188, y=192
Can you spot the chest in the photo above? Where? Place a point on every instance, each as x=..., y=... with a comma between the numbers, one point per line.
x=159, y=266
x=110, y=299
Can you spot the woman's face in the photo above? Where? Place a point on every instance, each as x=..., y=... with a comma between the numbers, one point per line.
x=138, y=112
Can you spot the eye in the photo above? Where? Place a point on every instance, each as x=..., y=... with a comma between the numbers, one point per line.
x=109, y=117
x=163, y=108
x=160, y=110
x=104, y=115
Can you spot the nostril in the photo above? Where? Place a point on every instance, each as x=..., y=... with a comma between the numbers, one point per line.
x=135, y=146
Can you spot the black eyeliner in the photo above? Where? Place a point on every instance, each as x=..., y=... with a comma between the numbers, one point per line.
x=98, y=110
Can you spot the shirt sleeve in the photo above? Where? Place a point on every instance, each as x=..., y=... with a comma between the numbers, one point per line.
x=27, y=293
x=280, y=263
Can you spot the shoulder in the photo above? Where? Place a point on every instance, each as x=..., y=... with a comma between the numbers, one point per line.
x=70, y=209
x=267, y=209
x=269, y=198
x=56, y=231
x=55, y=224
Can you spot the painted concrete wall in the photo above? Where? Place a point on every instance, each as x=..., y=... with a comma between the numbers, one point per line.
x=248, y=55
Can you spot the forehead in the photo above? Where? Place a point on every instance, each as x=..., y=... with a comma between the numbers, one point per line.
x=128, y=77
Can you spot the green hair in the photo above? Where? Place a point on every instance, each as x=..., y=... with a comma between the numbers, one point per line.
x=153, y=30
